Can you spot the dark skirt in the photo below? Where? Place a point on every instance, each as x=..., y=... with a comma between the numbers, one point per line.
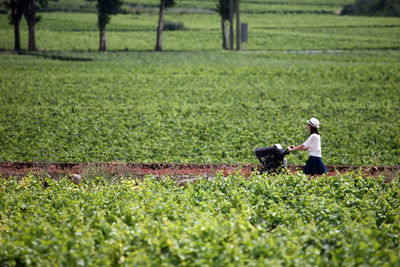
x=315, y=165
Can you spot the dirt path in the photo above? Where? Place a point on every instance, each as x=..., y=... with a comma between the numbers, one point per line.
x=180, y=171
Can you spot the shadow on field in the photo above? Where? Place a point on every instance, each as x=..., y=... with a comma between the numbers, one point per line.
x=55, y=55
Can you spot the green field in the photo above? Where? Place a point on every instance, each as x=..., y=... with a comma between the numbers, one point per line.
x=78, y=31
x=197, y=106
x=283, y=221
x=272, y=26
x=189, y=6
x=196, y=102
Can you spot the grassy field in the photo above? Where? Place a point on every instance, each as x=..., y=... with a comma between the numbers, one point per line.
x=197, y=106
x=197, y=103
x=78, y=31
x=189, y=6
x=283, y=221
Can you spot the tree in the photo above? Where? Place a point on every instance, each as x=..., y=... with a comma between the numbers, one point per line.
x=27, y=8
x=226, y=8
x=106, y=8
x=30, y=8
x=163, y=5
x=373, y=8
x=31, y=19
x=237, y=25
x=16, y=7
x=223, y=10
x=231, y=24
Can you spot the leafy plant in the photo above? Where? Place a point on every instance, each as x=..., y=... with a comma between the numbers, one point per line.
x=373, y=7
x=173, y=26
x=197, y=107
x=279, y=220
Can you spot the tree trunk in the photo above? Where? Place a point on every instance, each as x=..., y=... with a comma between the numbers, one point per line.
x=160, y=26
x=30, y=17
x=16, y=15
x=237, y=25
x=32, y=39
x=231, y=24
x=17, y=36
x=103, y=40
x=224, y=34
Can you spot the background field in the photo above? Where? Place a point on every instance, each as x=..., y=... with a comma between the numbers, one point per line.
x=272, y=26
x=78, y=31
x=198, y=107
x=195, y=102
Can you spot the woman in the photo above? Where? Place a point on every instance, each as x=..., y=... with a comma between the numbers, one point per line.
x=314, y=163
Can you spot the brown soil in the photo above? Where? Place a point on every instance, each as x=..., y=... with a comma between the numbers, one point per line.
x=179, y=171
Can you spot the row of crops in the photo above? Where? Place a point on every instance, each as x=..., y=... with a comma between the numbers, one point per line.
x=287, y=220
x=260, y=6
x=198, y=104
x=78, y=31
x=203, y=107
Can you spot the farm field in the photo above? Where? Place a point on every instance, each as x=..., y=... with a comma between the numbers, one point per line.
x=196, y=103
x=197, y=107
x=78, y=31
x=109, y=116
x=204, y=6
x=282, y=221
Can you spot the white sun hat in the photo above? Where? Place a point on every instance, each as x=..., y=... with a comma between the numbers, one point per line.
x=313, y=122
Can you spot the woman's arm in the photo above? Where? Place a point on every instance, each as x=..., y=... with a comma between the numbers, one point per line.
x=299, y=147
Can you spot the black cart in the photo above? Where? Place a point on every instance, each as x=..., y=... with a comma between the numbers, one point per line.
x=272, y=158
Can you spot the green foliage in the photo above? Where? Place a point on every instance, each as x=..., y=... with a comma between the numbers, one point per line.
x=373, y=7
x=169, y=3
x=173, y=26
x=251, y=7
x=106, y=8
x=223, y=8
x=16, y=10
x=185, y=106
x=77, y=31
x=20, y=7
x=280, y=221
x=197, y=106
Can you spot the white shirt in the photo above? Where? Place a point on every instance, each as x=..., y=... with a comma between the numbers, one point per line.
x=313, y=143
